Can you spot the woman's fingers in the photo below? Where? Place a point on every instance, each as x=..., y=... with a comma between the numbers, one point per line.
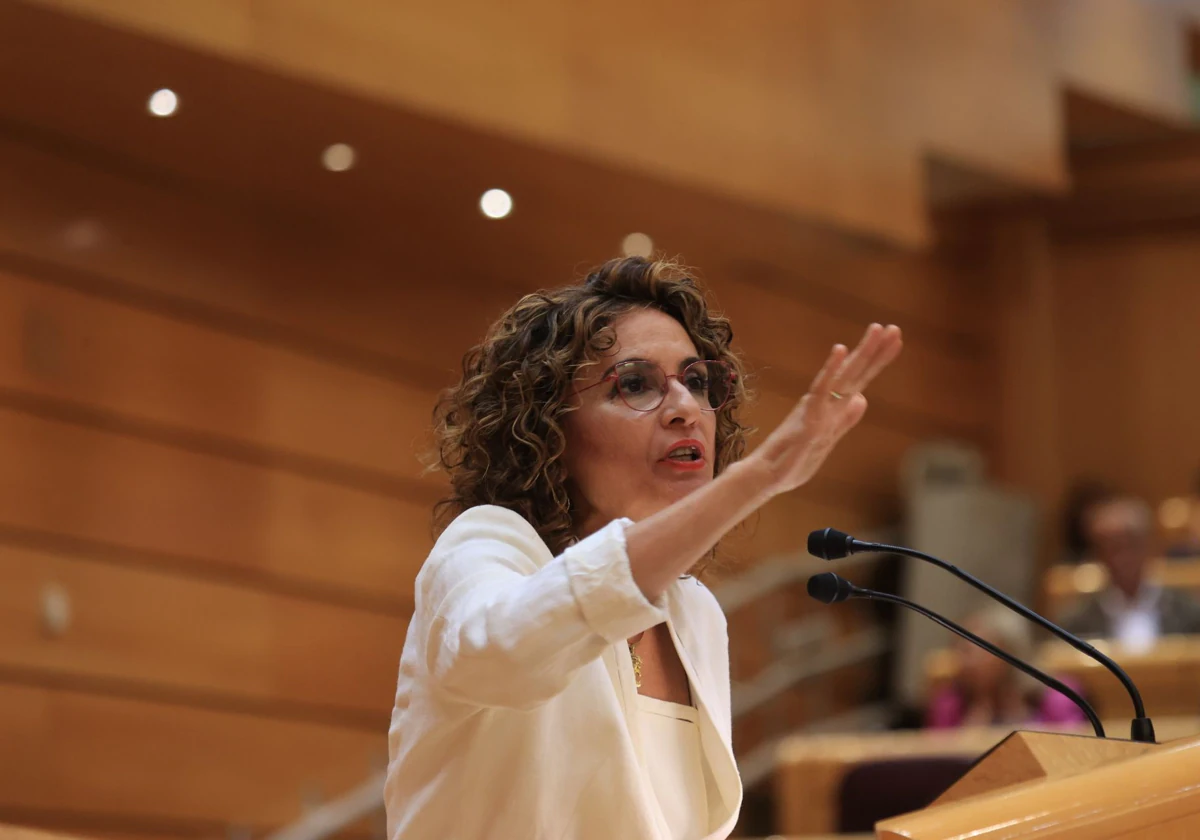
x=848, y=372
x=892, y=342
x=856, y=363
x=877, y=349
x=823, y=382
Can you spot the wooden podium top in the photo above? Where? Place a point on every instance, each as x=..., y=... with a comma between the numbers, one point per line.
x=810, y=768
x=1066, y=787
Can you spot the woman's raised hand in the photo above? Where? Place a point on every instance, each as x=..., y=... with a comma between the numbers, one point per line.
x=834, y=404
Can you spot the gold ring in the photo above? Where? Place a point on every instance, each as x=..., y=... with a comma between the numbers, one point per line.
x=835, y=395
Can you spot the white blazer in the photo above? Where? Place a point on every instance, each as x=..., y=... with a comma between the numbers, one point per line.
x=516, y=710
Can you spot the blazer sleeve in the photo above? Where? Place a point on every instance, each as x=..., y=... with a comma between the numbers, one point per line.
x=506, y=625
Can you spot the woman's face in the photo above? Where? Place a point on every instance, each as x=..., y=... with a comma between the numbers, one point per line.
x=618, y=459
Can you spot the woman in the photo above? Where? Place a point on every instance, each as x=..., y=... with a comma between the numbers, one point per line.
x=987, y=691
x=564, y=675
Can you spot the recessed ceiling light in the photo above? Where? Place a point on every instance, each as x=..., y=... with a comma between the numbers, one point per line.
x=496, y=204
x=82, y=234
x=163, y=103
x=338, y=158
x=637, y=245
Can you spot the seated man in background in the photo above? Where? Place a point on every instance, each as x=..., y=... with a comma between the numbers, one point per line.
x=1130, y=610
x=987, y=691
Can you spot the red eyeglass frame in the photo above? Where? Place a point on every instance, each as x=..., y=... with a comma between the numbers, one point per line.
x=667, y=377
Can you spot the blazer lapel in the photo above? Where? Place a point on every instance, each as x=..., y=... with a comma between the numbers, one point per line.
x=714, y=710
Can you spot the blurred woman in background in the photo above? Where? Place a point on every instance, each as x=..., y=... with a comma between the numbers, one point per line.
x=987, y=691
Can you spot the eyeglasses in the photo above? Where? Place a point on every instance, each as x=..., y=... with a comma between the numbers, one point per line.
x=643, y=385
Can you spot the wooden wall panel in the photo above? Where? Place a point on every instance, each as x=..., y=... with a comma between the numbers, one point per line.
x=786, y=342
x=109, y=756
x=417, y=331
x=117, y=358
x=941, y=370
x=781, y=526
x=1098, y=346
x=952, y=51
x=197, y=641
x=865, y=465
x=804, y=78
x=1128, y=350
x=66, y=345
x=266, y=274
x=208, y=511
x=1132, y=54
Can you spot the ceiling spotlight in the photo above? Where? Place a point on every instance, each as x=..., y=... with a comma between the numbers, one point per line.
x=163, y=102
x=637, y=245
x=496, y=204
x=82, y=234
x=338, y=158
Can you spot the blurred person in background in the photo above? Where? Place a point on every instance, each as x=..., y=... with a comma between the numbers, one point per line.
x=987, y=691
x=565, y=675
x=1131, y=610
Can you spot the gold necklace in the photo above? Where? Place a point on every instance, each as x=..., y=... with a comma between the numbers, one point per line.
x=637, y=660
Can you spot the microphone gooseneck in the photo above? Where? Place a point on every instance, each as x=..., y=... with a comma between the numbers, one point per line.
x=831, y=544
x=829, y=588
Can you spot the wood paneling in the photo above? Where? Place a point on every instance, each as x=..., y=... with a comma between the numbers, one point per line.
x=794, y=111
x=1027, y=415
x=206, y=511
x=106, y=756
x=802, y=79
x=786, y=320
x=196, y=641
x=1128, y=345
x=171, y=372
x=1097, y=345
x=1134, y=54
x=418, y=330
x=788, y=343
x=952, y=52
x=866, y=466
x=265, y=275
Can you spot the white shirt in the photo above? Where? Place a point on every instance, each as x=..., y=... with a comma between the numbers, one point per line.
x=1135, y=623
x=675, y=766
x=516, y=710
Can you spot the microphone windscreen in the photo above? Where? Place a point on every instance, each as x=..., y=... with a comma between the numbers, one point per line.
x=829, y=588
x=828, y=544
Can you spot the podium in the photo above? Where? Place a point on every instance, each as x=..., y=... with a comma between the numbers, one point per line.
x=1052, y=786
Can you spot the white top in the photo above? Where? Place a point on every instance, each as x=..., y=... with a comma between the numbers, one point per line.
x=516, y=712
x=1135, y=623
x=675, y=765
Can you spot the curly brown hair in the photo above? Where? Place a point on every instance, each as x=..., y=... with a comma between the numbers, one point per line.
x=499, y=431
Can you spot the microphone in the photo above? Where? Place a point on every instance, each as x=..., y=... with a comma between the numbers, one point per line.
x=829, y=588
x=832, y=544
